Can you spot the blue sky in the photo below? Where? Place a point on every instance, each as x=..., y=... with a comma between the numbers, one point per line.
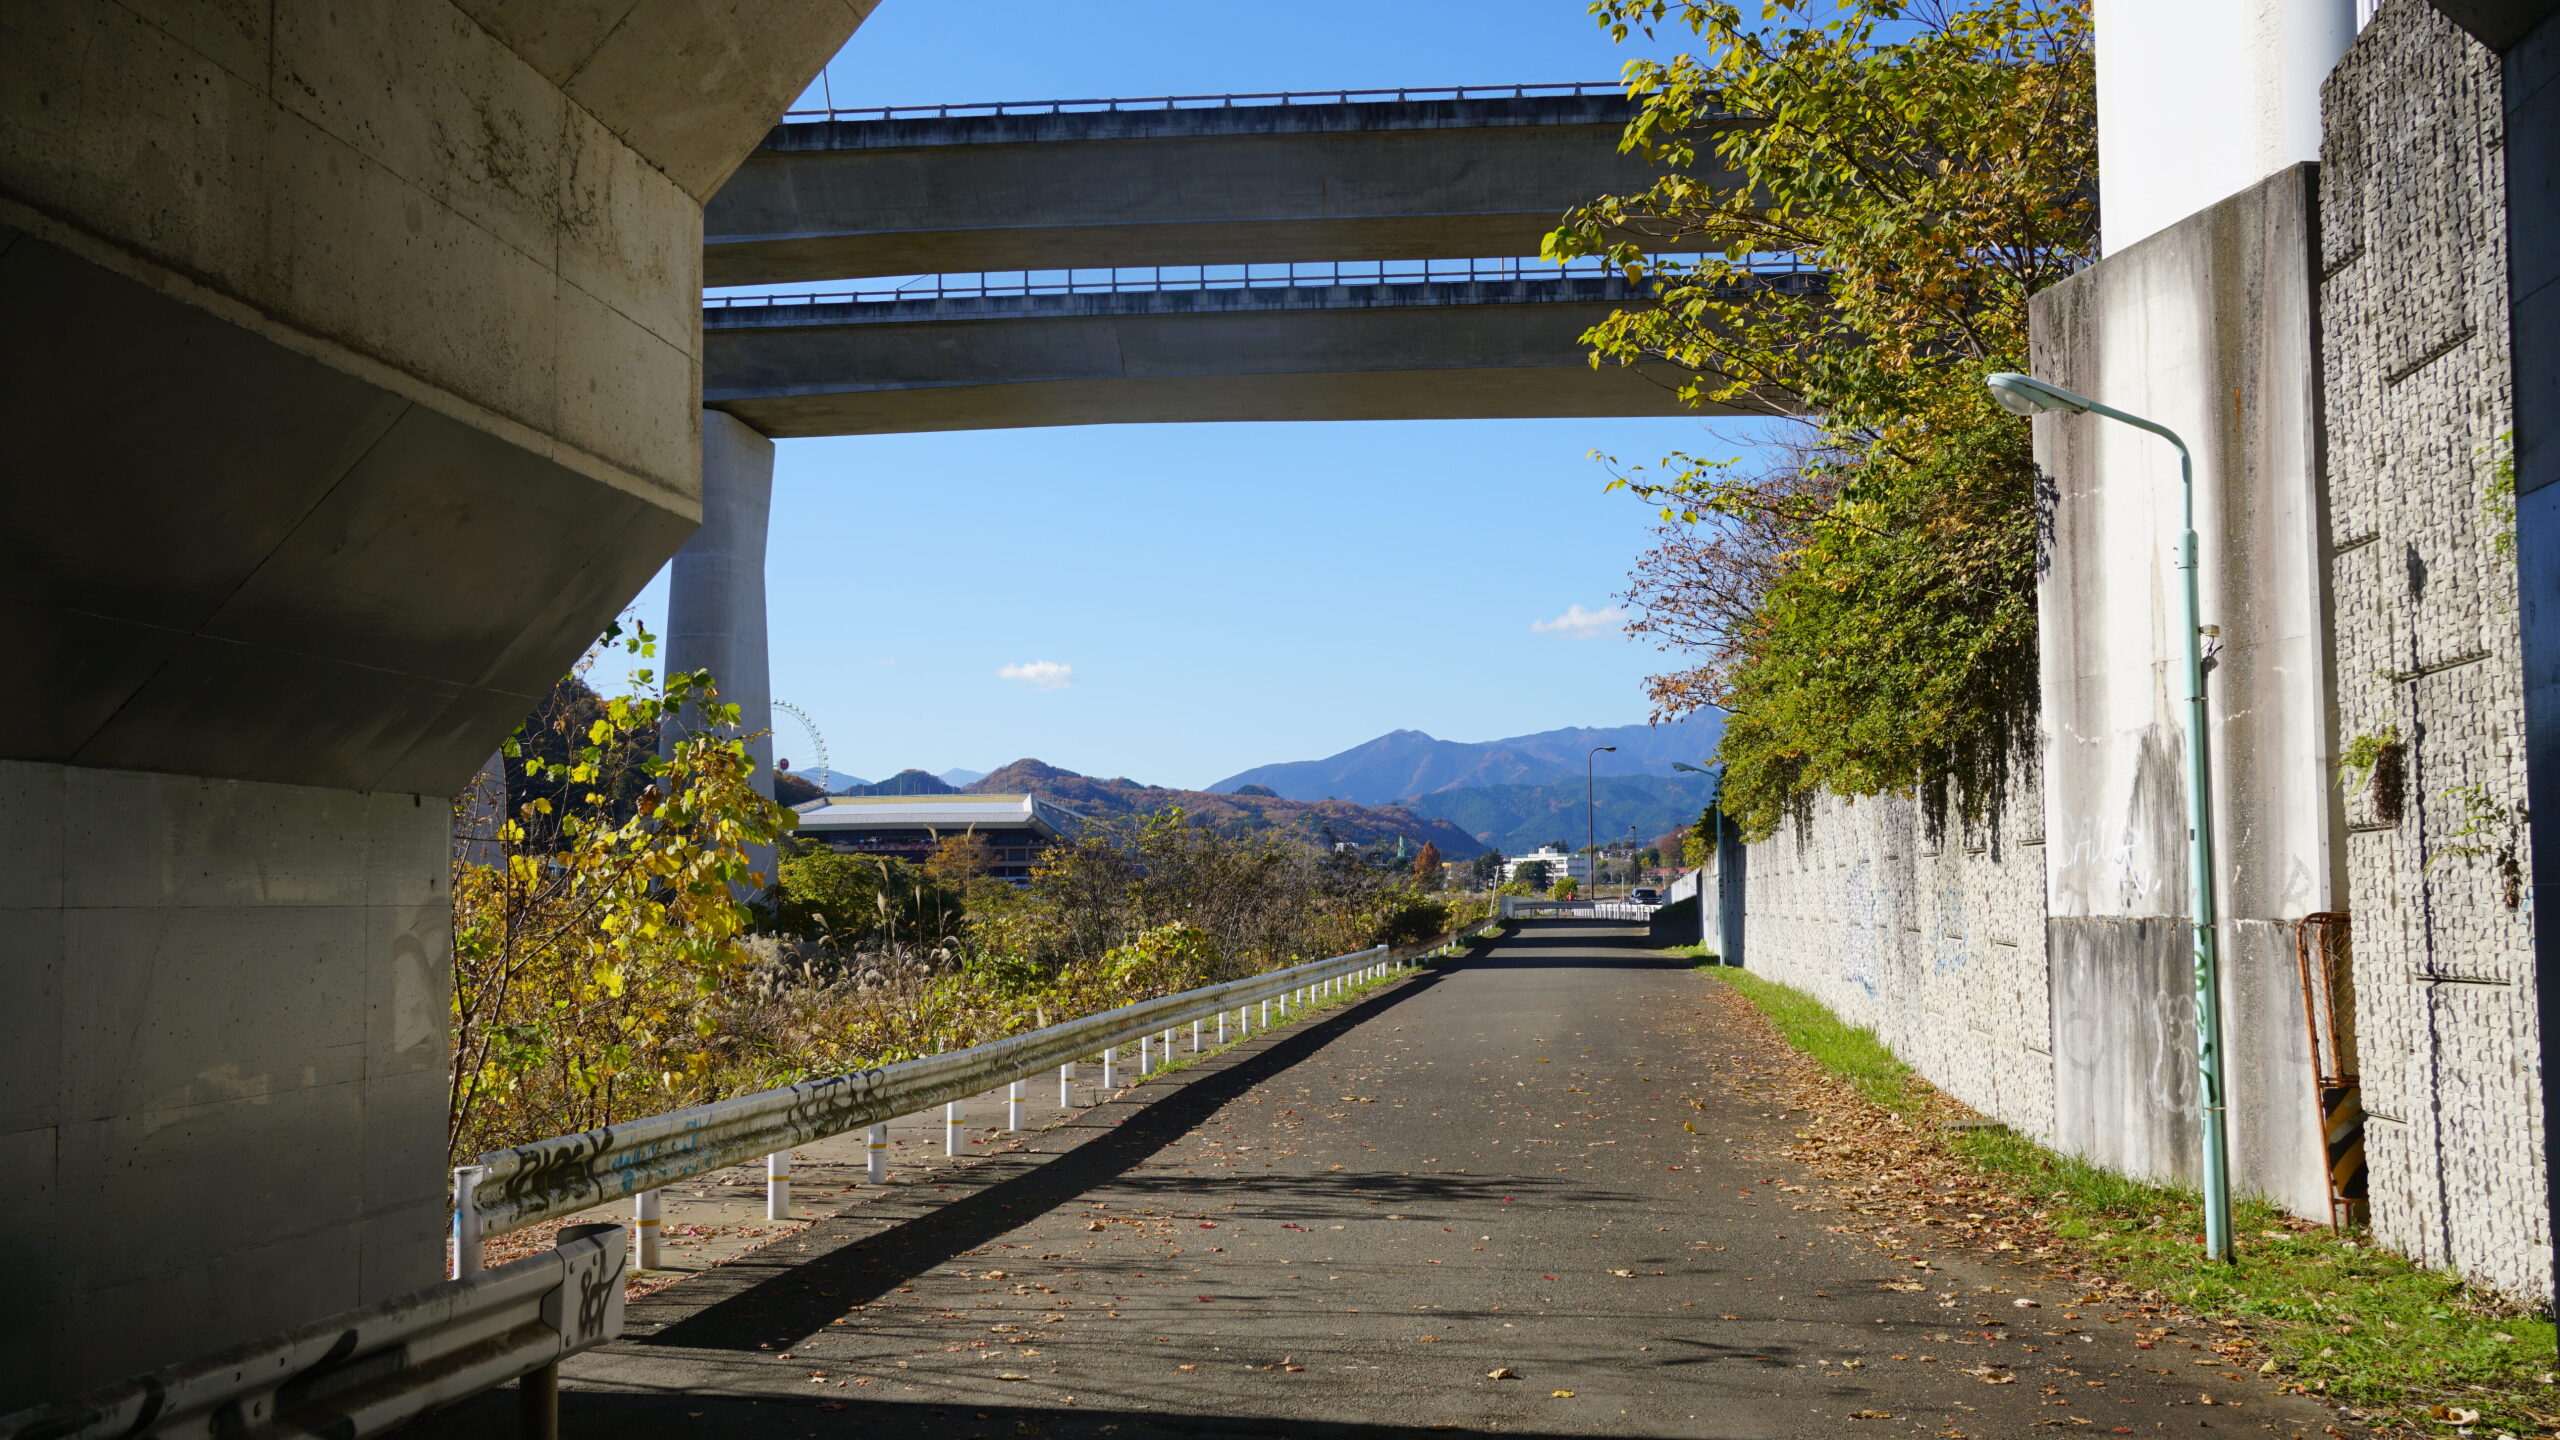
x=1219, y=596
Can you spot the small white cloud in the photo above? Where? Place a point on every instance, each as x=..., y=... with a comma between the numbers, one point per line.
x=1577, y=623
x=1040, y=674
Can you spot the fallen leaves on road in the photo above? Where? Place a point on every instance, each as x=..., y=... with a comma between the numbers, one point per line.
x=1870, y=1414
x=1561, y=1394
x=1505, y=1373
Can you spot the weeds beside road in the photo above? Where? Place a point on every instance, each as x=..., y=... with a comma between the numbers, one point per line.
x=2329, y=1313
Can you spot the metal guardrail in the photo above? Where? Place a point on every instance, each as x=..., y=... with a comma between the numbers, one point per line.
x=371, y=1370
x=1516, y=907
x=1560, y=90
x=511, y=1189
x=1278, y=275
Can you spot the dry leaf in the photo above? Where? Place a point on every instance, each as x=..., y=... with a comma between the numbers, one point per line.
x=1561, y=1394
x=1870, y=1414
x=1505, y=1373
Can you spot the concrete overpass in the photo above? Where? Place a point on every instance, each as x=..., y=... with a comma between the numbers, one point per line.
x=1341, y=175
x=1381, y=342
x=1506, y=345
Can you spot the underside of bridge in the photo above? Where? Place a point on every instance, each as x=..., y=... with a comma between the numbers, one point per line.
x=350, y=373
x=1411, y=351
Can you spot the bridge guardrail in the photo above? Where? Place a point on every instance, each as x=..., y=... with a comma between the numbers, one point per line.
x=1566, y=89
x=1271, y=275
x=373, y=1369
x=511, y=1189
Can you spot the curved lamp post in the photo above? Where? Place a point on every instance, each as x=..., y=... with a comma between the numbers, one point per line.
x=1715, y=809
x=2026, y=395
x=1590, y=820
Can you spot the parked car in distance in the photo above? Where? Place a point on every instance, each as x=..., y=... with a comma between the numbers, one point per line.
x=1645, y=895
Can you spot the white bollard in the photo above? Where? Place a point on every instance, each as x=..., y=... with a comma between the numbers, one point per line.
x=952, y=1140
x=1013, y=1103
x=777, y=1185
x=1110, y=1068
x=1146, y=1054
x=1166, y=1049
x=1266, y=1014
x=877, y=1144
x=644, y=1230
x=1222, y=1027
x=1067, y=1086
x=466, y=1221
x=1195, y=1037
x=1244, y=1021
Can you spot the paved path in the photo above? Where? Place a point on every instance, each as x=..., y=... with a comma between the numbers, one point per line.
x=1508, y=1197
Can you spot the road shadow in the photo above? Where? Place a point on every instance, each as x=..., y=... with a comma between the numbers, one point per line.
x=776, y=1300
x=593, y=1415
x=1570, y=944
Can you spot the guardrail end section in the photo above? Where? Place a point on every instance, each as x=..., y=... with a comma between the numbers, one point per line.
x=585, y=1310
x=370, y=1370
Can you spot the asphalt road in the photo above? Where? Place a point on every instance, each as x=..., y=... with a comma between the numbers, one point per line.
x=1507, y=1197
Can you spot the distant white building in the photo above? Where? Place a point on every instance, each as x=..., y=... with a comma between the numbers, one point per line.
x=1559, y=863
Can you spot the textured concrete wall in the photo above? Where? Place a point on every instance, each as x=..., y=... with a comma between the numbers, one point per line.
x=2205, y=327
x=222, y=1092
x=1937, y=943
x=2414, y=317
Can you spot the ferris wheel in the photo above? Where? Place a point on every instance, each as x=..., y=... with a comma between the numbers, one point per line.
x=817, y=748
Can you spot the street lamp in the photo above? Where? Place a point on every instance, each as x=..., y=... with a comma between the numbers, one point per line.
x=2026, y=395
x=1590, y=821
x=1715, y=829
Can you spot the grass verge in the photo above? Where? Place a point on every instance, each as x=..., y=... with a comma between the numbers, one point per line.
x=2343, y=1318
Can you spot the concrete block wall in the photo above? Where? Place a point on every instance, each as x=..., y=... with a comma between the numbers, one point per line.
x=1935, y=942
x=2414, y=325
x=222, y=1100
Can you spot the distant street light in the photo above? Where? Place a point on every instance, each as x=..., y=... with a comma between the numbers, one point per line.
x=2026, y=395
x=1714, y=817
x=1590, y=820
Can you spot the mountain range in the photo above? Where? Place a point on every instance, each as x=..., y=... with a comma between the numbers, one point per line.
x=1516, y=819
x=1321, y=822
x=1402, y=764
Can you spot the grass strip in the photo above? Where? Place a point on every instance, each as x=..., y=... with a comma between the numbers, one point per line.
x=2344, y=1318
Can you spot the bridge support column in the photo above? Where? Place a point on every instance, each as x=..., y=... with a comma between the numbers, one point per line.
x=715, y=588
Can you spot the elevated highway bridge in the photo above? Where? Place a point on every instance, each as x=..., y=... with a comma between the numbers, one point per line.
x=1444, y=342
x=1456, y=173
x=1401, y=181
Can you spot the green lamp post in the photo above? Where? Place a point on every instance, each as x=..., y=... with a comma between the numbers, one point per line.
x=2026, y=395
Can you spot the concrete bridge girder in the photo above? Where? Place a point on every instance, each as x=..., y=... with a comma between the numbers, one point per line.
x=1400, y=180
x=1437, y=350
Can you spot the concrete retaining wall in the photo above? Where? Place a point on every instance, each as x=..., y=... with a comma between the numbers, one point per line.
x=2205, y=327
x=2334, y=347
x=2415, y=341
x=1936, y=942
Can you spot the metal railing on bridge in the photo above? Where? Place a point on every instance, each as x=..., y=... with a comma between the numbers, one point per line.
x=1569, y=89
x=1278, y=275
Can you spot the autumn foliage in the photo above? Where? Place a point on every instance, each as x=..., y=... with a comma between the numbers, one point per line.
x=1859, y=594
